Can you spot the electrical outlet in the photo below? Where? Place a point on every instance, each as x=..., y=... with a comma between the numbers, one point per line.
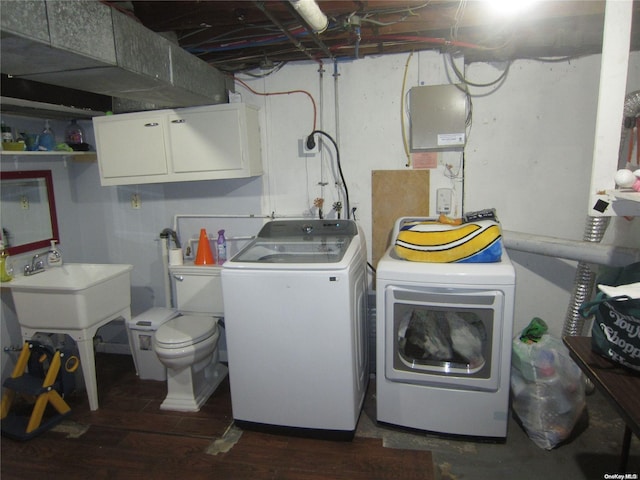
x=304, y=152
x=443, y=200
x=24, y=202
x=135, y=201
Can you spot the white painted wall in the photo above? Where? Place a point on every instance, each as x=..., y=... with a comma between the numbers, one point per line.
x=528, y=156
x=529, y=151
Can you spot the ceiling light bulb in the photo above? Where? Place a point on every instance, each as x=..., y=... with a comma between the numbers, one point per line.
x=310, y=11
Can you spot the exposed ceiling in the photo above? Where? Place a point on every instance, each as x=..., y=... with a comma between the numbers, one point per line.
x=257, y=37
x=244, y=35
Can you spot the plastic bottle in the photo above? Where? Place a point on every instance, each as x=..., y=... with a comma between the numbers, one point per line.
x=5, y=269
x=74, y=134
x=47, y=138
x=54, y=257
x=222, y=247
x=7, y=134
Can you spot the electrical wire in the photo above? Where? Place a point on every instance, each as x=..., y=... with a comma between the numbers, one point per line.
x=245, y=42
x=226, y=34
x=391, y=11
x=458, y=17
x=264, y=73
x=464, y=80
x=228, y=41
x=557, y=59
x=382, y=24
x=220, y=62
x=390, y=40
x=405, y=141
x=288, y=92
x=268, y=36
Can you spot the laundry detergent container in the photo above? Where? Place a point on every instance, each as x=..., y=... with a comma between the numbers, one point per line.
x=140, y=330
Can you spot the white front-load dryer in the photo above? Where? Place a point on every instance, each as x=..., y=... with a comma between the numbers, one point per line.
x=295, y=315
x=443, y=345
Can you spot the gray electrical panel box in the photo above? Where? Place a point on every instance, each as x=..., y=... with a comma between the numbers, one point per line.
x=437, y=118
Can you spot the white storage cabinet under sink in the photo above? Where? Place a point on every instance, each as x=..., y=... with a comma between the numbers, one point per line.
x=196, y=143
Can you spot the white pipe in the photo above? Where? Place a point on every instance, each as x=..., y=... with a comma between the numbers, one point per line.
x=218, y=215
x=165, y=269
x=310, y=11
x=273, y=216
x=191, y=241
x=590, y=252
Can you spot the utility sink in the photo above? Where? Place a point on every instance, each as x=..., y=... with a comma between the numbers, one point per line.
x=75, y=299
x=74, y=296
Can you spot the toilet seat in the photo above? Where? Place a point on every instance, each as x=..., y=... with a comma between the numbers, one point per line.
x=186, y=330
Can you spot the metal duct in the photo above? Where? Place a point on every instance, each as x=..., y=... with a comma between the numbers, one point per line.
x=630, y=111
x=89, y=46
x=595, y=229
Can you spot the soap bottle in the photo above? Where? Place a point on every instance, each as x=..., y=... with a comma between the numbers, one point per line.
x=54, y=257
x=222, y=247
x=73, y=134
x=5, y=269
x=47, y=140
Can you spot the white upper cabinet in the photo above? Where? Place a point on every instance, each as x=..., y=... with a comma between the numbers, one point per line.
x=197, y=143
x=131, y=146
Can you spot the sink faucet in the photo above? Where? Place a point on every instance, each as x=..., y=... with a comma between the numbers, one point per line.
x=36, y=266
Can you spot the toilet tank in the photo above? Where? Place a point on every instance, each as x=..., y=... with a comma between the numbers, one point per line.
x=197, y=289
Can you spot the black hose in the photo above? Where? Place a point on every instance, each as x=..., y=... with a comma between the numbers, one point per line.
x=311, y=144
x=167, y=232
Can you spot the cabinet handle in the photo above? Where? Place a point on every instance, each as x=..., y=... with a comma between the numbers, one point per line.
x=180, y=278
x=151, y=124
x=180, y=120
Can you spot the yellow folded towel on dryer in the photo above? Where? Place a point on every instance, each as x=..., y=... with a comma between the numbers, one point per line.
x=436, y=242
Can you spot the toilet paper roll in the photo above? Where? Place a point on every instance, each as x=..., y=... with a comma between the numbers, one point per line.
x=175, y=256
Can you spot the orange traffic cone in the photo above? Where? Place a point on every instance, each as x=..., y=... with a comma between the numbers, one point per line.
x=204, y=256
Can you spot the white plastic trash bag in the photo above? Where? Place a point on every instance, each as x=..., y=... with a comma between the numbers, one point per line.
x=548, y=389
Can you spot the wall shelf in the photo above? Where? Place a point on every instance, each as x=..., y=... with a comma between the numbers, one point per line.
x=76, y=156
x=625, y=194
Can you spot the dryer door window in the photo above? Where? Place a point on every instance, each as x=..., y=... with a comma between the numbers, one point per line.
x=443, y=336
x=451, y=340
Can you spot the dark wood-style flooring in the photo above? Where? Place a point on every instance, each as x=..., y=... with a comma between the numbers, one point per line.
x=129, y=437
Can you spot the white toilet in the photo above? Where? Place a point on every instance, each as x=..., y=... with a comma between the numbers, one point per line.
x=187, y=345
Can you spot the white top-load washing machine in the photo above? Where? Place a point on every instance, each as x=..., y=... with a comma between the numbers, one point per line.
x=295, y=314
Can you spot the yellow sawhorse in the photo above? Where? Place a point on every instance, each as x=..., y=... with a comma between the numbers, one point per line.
x=20, y=427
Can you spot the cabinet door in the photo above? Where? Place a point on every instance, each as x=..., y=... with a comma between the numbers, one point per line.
x=130, y=147
x=207, y=141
